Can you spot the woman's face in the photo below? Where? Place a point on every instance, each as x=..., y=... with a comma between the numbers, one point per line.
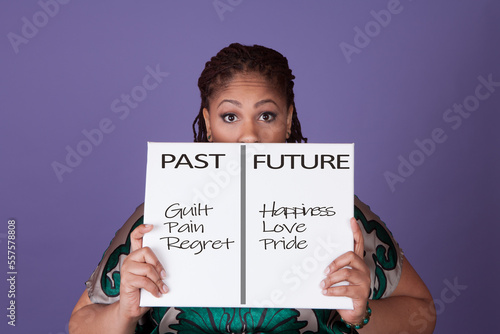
x=248, y=110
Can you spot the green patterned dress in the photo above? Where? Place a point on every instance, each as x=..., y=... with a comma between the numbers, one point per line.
x=382, y=255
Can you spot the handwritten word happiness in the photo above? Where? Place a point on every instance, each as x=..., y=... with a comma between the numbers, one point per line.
x=296, y=212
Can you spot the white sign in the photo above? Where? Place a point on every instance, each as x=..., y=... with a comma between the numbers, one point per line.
x=248, y=225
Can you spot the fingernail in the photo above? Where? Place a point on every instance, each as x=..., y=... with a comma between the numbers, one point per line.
x=327, y=270
x=324, y=292
x=164, y=288
x=322, y=284
x=163, y=274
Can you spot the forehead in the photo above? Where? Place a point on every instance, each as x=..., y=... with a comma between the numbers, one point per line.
x=247, y=84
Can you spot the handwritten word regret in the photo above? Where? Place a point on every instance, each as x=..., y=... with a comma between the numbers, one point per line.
x=198, y=245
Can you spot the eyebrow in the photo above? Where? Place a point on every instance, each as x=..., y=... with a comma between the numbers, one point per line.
x=258, y=104
x=238, y=104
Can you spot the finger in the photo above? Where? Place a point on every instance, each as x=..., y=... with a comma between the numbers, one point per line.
x=146, y=255
x=148, y=271
x=137, y=235
x=359, y=242
x=351, y=269
x=356, y=292
x=352, y=277
x=349, y=259
x=135, y=282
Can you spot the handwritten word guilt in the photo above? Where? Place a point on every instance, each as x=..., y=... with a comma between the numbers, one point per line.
x=296, y=212
x=175, y=210
x=300, y=160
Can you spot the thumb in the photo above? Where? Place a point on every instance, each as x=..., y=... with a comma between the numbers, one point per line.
x=359, y=242
x=137, y=235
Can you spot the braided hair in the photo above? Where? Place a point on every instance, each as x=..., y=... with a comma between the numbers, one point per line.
x=237, y=58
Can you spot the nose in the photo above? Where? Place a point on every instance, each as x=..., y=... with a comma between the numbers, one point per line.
x=248, y=133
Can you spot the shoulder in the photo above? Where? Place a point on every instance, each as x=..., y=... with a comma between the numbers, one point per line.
x=383, y=255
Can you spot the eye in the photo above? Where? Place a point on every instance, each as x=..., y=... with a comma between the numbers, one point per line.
x=267, y=116
x=229, y=118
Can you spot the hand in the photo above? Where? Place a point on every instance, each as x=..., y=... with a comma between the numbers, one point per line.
x=140, y=270
x=358, y=277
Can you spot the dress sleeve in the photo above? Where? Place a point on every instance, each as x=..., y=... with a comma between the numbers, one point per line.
x=103, y=286
x=382, y=255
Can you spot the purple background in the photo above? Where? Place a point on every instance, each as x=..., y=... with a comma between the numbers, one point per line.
x=395, y=90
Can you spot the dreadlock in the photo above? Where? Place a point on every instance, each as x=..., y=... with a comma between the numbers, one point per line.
x=237, y=58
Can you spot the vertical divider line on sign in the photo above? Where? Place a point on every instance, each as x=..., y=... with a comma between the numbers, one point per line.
x=243, y=225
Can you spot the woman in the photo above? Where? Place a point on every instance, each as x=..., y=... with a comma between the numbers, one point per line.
x=247, y=96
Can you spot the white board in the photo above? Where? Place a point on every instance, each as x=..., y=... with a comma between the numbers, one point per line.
x=248, y=225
